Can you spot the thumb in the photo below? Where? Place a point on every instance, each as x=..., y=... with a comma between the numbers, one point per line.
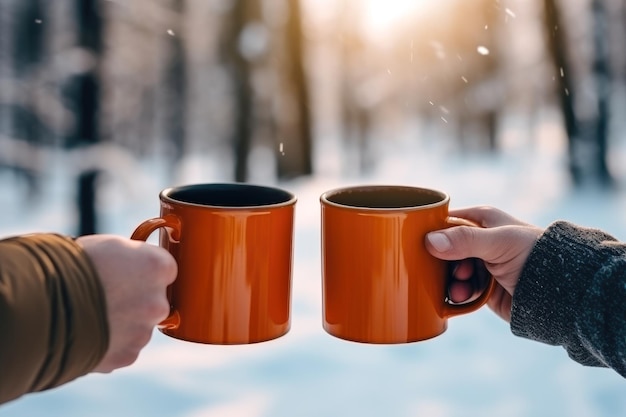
x=461, y=242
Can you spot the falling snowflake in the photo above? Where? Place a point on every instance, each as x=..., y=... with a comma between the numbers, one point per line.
x=170, y=32
x=483, y=50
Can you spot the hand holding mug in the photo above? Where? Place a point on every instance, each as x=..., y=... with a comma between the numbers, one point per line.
x=503, y=243
x=379, y=283
x=134, y=276
x=233, y=247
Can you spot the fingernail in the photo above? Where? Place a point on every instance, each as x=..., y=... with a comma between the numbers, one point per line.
x=439, y=241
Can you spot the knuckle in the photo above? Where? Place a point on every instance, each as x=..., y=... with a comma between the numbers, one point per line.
x=128, y=359
x=487, y=214
x=123, y=359
x=157, y=310
x=142, y=339
x=137, y=341
x=464, y=235
x=163, y=265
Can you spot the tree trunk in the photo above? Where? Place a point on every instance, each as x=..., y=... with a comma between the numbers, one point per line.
x=239, y=70
x=85, y=102
x=602, y=77
x=28, y=50
x=177, y=87
x=29, y=33
x=557, y=47
x=295, y=151
x=86, y=199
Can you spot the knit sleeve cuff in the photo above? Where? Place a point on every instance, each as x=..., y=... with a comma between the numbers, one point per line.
x=552, y=284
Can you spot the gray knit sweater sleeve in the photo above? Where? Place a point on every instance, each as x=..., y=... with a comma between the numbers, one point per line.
x=572, y=293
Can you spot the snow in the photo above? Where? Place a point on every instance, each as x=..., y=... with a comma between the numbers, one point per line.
x=477, y=368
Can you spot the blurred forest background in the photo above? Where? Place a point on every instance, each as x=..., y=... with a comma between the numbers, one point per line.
x=257, y=84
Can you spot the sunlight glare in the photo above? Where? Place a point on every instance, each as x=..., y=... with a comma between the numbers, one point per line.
x=381, y=15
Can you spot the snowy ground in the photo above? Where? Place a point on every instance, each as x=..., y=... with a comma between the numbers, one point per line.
x=477, y=368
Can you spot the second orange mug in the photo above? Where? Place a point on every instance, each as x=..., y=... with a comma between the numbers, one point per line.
x=379, y=283
x=233, y=247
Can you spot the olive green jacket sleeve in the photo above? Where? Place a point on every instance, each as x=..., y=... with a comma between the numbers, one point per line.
x=53, y=325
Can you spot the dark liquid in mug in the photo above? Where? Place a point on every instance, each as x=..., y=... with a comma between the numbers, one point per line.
x=386, y=197
x=229, y=195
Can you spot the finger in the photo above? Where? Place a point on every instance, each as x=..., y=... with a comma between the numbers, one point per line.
x=460, y=291
x=467, y=279
x=463, y=270
x=160, y=261
x=154, y=310
x=462, y=242
x=486, y=216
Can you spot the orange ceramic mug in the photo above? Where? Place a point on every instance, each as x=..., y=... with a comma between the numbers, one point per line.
x=233, y=247
x=379, y=283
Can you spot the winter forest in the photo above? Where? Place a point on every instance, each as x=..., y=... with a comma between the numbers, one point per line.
x=247, y=80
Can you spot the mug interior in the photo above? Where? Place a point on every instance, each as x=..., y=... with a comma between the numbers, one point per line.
x=229, y=195
x=385, y=197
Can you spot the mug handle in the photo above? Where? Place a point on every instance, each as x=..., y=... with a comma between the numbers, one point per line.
x=142, y=232
x=451, y=310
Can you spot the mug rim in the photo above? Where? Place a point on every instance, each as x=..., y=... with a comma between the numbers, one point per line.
x=165, y=196
x=324, y=198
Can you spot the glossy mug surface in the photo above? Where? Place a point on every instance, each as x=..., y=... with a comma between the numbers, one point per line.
x=233, y=247
x=379, y=283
